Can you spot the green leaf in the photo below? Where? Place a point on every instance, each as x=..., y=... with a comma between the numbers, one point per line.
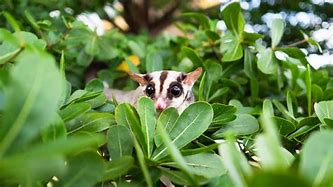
x=223, y=113
x=218, y=93
x=143, y=165
x=176, y=155
x=30, y=164
x=84, y=169
x=235, y=162
x=312, y=41
x=21, y=170
x=204, y=164
x=315, y=43
x=13, y=23
x=55, y=130
x=97, y=101
x=126, y=115
x=8, y=56
x=194, y=120
x=91, y=47
x=95, y=85
x=249, y=64
x=74, y=110
x=269, y=150
x=244, y=124
x=214, y=69
x=176, y=177
x=92, y=122
x=290, y=104
x=251, y=37
x=192, y=55
x=84, y=59
x=317, y=92
x=136, y=49
x=201, y=18
x=324, y=109
x=26, y=101
x=231, y=48
x=267, y=62
x=212, y=35
x=284, y=126
x=222, y=181
x=233, y=18
x=202, y=85
x=77, y=94
x=316, y=159
x=166, y=119
x=277, y=31
x=277, y=179
x=119, y=142
x=154, y=62
x=116, y=168
x=204, y=149
x=308, y=88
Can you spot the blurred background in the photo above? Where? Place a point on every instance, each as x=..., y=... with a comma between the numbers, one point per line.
x=151, y=18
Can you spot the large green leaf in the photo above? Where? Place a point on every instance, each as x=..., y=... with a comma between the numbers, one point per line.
x=267, y=62
x=84, y=169
x=74, y=110
x=92, y=122
x=154, y=62
x=117, y=168
x=176, y=155
x=126, y=115
x=192, y=55
x=214, y=69
x=119, y=142
x=143, y=164
x=233, y=18
x=56, y=129
x=31, y=99
x=166, y=119
x=277, y=31
x=201, y=18
x=244, y=124
x=223, y=113
x=235, y=162
x=277, y=179
x=147, y=111
x=231, y=48
x=284, y=126
x=30, y=165
x=249, y=64
x=316, y=161
x=204, y=164
x=273, y=156
x=194, y=120
x=21, y=170
x=324, y=109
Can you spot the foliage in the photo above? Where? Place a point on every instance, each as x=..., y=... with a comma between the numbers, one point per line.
x=278, y=110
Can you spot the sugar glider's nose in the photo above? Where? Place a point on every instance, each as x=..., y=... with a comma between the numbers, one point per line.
x=160, y=104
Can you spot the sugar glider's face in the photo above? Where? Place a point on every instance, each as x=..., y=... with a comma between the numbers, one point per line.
x=168, y=88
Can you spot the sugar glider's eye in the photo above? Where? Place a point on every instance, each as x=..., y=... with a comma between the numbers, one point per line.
x=150, y=90
x=176, y=90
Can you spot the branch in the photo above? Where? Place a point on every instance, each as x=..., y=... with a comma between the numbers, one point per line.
x=165, y=19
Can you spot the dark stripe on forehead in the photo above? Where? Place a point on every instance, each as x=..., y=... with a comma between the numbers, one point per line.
x=181, y=77
x=163, y=76
x=147, y=77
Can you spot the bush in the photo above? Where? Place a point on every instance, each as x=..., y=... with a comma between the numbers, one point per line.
x=273, y=113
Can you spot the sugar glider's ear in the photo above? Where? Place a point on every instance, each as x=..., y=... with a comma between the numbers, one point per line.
x=193, y=76
x=140, y=78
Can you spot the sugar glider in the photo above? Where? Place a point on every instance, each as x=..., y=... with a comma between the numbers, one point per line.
x=165, y=88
